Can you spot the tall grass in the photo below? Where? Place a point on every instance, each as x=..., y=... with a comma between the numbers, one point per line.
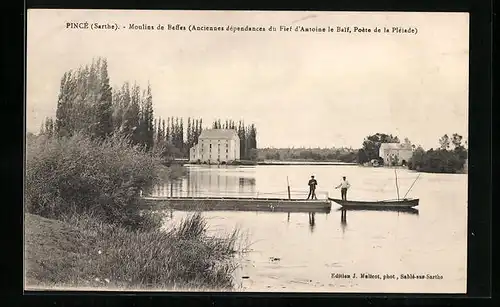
x=111, y=256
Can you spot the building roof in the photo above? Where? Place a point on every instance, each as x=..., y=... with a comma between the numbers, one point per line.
x=395, y=146
x=218, y=134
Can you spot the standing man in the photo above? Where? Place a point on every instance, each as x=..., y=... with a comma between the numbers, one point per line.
x=344, y=185
x=312, y=188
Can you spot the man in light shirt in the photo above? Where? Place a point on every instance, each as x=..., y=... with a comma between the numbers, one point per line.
x=344, y=185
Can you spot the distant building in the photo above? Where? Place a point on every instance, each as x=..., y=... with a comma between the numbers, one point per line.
x=216, y=146
x=401, y=153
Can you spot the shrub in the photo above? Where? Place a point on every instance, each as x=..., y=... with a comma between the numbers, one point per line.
x=78, y=174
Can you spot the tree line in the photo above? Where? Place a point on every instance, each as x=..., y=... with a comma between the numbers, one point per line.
x=88, y=104
x=449, y=157
x=308, y=154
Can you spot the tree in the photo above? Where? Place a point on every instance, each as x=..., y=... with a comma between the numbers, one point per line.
x=251, y=142
x=242, y=136
x=157, y=132
x=189, y=135
x=128, y=118
x=444, y=142
x=371, y=144
x=456, y=140
x=169, y=131
x=104, y=125
x=196, y=132
x=148, y=120
x=133, y=119
x=362, y=156
x=63, y=107
x=181, y=135
x=163, y=135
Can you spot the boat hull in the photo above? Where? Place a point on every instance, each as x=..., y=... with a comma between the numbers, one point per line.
x=235, y=204
x=383, y=204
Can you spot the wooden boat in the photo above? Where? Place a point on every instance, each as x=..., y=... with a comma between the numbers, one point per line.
x=236, y=204
x=399, y=203
x=383, y=204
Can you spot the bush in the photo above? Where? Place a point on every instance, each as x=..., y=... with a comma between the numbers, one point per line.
x=77, y=174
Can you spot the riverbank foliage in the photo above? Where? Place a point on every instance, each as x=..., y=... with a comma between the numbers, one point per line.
x=89, y=191
x=308, y=154
x=82, y=252
x=443, y=159
x=74, y=175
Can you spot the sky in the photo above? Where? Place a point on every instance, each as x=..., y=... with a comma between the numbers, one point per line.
x=300, y=89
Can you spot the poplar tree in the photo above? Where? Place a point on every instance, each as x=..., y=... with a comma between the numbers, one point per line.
x=133, y=116
x=163, y=134
x=188, y=134
x=63, y=107
x=181, y=134
x=168, y=133
x=148, y=119
x=104, y=114
x=242, y=136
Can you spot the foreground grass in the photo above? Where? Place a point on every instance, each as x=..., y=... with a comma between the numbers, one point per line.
x=80, y=252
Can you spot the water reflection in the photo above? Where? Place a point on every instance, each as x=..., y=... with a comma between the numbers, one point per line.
x=206, y=182
x=312, y=222
x=410, y=211
x=343, y=220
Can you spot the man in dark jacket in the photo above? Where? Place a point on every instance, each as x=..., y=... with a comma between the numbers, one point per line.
x=312, y=188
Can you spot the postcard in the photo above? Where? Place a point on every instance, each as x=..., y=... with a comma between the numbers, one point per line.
x=246, y=151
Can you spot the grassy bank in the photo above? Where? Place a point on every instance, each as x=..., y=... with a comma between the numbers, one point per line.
x=80, y=252
x=84, y=226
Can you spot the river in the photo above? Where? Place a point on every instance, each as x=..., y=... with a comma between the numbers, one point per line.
x=295, y=252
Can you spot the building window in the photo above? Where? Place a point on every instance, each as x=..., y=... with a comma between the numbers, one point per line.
x=227, y=150
x=210, y=146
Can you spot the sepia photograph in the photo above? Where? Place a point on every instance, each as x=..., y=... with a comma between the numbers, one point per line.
x=246, y=151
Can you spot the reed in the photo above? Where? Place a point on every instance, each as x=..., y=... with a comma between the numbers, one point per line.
x=82, y=252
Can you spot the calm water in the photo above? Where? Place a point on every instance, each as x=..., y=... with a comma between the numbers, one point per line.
x=311, y=247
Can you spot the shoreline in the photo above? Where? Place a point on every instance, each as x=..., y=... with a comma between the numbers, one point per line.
x=81, y=255
x=284, y=163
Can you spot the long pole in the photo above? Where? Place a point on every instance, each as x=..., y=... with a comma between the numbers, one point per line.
x=288, y=185
x=411, y=185
x=397, y=187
